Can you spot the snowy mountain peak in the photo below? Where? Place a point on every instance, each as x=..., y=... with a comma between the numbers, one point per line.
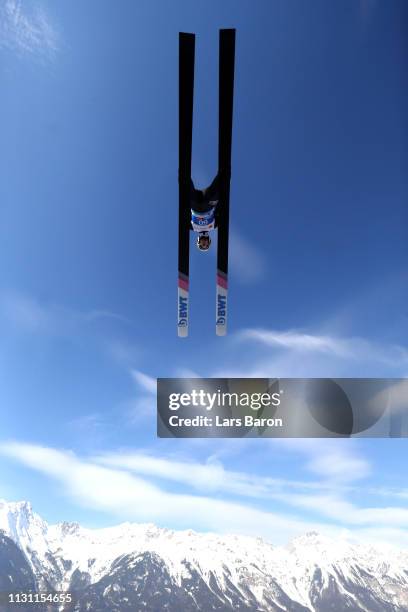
x=19, y=522
x=311, y=534
x=68, y=528
x=314, y=572
x=20, y=507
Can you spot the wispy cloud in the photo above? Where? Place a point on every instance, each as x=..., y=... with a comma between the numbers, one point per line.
x=289, y=345
x=329, y=459
x=247, y=262
x=28, y=314
x=129, y=497
x=144, y=405
x=88, y=422
x=25, y=28
x=335, y=463
x=212, y=476
x=146, y=382
x=298, y=341
x=126, y=485
x=95, y=315
x=24, y=316
x=186, y=373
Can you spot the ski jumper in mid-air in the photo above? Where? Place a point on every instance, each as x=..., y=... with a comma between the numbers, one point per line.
x=204, y=212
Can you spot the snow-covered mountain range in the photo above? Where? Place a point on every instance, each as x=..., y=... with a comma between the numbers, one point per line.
x=142, y=567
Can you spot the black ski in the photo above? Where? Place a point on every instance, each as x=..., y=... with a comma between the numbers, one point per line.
x=186, y=91
x=226, y=94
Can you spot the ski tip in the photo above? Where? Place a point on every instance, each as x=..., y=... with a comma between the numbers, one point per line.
x=182, y=331
x=221, y=330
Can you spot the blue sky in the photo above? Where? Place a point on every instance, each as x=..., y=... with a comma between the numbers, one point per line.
x=88, y=266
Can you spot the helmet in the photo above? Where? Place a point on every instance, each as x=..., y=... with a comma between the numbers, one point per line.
x=203, y=241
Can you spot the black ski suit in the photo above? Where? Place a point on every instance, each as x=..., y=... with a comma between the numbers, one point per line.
x=203, y=200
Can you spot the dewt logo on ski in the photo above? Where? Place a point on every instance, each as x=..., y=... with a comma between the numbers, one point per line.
x=221, y=309
x=182, y=311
